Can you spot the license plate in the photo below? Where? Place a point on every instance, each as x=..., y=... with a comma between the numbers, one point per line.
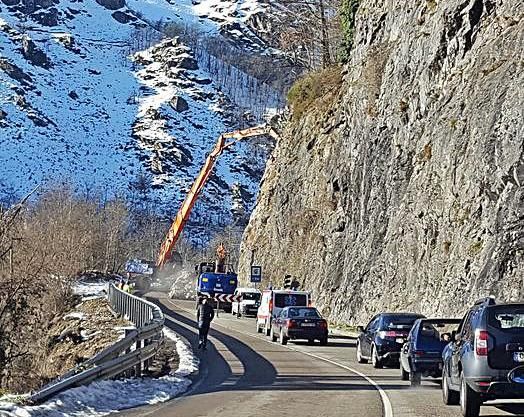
x=518, y=356
x=308, y=324
x=400, y=340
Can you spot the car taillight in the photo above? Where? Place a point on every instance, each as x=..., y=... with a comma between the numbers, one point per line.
x=481, y=342
x=291, y=324
x=322, y=324
x=270, y=305
x=419, y=353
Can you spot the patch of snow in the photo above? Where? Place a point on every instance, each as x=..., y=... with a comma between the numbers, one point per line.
x=188, y=362
x=91, y=289
x=106, y=397
x=75, y=316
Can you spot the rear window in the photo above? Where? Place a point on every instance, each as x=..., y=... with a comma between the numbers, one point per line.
x=303, y=312
x=251, y=296
x=290, y=300
x=506, y=317
x=440, y=331
x=399, y=322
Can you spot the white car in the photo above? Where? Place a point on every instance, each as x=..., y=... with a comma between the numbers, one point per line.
x=248, y=305
x=273, y=301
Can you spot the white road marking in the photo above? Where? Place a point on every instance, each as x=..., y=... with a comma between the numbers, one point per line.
x=386, y=403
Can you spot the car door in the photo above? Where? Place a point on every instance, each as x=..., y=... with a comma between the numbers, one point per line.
x=463, y=335
x=369, y=336
x=408, y=347
x=279, y=320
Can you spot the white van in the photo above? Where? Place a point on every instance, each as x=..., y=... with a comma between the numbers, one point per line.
x=273, y=301
x=249, y=303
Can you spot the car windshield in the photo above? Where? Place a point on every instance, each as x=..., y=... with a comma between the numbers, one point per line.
x=251, y=296
x=507, y=317
x=289, y=300
x=303, y=312
x=399, y=322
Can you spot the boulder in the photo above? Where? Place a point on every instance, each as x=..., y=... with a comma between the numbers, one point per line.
x=122, y=17
x=187, y=63
x=47, y=18
x=179, y=104
x=112, y=4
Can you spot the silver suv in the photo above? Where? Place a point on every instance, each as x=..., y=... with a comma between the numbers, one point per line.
x=485, y=359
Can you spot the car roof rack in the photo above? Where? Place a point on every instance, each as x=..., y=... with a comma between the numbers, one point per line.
x=489, y=301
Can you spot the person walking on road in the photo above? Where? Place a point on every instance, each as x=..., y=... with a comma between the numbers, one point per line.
x=205, y=316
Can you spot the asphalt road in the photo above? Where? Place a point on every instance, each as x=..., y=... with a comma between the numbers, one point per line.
x=243, y=374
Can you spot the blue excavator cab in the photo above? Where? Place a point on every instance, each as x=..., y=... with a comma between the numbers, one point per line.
x=210, y=282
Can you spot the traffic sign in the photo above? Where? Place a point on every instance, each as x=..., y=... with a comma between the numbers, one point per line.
x=228, y=297
x=256, y=273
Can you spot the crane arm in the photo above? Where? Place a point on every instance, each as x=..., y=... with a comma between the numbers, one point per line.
x=185, y=210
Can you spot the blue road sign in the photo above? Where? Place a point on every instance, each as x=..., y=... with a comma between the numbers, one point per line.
x=256, y=273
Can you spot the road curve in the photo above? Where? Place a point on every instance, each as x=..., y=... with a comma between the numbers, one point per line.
x=243, y=374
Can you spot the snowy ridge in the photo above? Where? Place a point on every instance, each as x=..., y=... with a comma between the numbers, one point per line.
x=74, y=106
x=106, y=397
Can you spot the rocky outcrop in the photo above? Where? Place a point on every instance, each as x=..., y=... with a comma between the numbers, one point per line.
x=407, y=191
x=34, y=54
x=15, y=72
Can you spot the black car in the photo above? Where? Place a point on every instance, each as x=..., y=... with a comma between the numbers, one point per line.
x=383, y=338
x=421, y=355
x=485, y=360
x=299, y=323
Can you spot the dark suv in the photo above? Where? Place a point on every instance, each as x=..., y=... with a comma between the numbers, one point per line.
x=485, y=359
x=383, y=337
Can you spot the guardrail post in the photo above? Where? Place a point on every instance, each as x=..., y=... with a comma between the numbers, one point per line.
x=138, y=369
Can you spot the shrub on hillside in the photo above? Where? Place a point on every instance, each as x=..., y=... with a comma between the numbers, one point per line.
x=315, y=85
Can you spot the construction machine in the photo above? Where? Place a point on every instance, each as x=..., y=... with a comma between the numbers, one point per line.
x=216, y=272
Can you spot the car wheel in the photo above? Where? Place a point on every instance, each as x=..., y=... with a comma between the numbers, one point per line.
x=469, y=400
x=415, y=378
x=449, y=396
x=404, y=375
x=360, y=359
x=273, y=335
x=324, y=341
x=259, y=329
x=283, y=339
x=375, y=361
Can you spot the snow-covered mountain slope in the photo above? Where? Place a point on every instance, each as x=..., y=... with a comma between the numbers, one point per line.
x=90, y=94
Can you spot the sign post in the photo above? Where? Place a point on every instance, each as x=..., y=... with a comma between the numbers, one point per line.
x=256, y=274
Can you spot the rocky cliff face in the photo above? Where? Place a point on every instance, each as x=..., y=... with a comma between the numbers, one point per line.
x=406, y=192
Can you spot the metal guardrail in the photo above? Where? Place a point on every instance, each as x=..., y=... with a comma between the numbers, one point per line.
x=128, y=356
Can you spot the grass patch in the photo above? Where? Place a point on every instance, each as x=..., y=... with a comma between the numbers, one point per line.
x=315, y=85
x=475, y=248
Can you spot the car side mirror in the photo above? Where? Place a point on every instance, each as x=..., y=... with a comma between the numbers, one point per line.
x=455, y=337
x=360, y=329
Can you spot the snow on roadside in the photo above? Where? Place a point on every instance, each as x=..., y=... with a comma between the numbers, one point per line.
x=86, y=289
x=105, y=397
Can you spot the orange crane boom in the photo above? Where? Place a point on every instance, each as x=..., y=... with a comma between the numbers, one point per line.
x=185, y=210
